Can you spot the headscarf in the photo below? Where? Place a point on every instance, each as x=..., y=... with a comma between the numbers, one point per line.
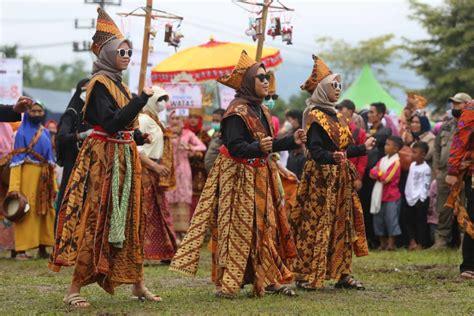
x=424, y=123
x=247, y=88
x=6, y=139
x=23, y=137
x=106, y=63
x=154, y=150
x=195, y=129
x=320, y=97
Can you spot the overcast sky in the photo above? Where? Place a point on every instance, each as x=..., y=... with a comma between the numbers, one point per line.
x=45, y=28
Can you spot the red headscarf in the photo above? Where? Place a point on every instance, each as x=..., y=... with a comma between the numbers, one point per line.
x=196, y=129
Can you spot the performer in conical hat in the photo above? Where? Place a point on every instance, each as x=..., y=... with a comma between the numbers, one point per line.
x=100, y=227
x=327, y=221
x=241, y=200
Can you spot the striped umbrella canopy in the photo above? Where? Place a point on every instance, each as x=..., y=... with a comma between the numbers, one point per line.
x=208, y=62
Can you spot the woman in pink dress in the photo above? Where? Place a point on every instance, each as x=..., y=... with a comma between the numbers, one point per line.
x=184, y=143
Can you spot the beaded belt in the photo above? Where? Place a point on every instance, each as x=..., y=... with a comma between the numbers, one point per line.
x=252, y=162
x=120, y=137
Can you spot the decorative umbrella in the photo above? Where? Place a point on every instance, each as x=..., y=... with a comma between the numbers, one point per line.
x=208, y=62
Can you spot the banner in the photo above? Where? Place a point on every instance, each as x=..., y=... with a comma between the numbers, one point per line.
x=184, y=96
x=226, y=95
x=134, y=68
x=11, y=80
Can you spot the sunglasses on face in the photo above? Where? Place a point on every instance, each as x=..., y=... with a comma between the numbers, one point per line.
x=263, y=77
x=274, y=97
x=163, y=98
x=336, y=85
x=124, y=52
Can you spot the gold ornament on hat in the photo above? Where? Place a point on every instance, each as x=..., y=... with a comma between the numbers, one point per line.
x=106, y=30
x=320, y=71
x=272, y=83
x=419, y=102
x=235, y=78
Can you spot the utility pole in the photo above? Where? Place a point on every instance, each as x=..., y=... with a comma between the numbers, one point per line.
x=261, y=36
x=146, y=45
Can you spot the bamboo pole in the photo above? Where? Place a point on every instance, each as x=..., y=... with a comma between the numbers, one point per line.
x=146, y=46
x=261, y=37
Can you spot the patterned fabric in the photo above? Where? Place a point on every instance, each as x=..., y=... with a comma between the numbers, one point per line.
x=198, y=170
x=461, y=164
x=160, y=239
x=84, y=220
x=251, y=241
x=106, y=30
x=327, y=220
x=319, y=72
x=235, y=78
x=120, y=202
x=462, y=148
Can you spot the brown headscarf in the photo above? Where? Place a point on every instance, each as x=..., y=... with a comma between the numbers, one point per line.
x=106, y=63
x=247, y=88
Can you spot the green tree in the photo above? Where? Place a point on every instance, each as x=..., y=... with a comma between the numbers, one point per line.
x=446, y=57
x=349, y=59
x=38, y=75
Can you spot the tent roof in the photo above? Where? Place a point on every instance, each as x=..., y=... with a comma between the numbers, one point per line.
x=367, y=89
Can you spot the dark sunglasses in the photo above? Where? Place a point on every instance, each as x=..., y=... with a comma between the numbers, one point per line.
x=122, y=52
x=336, y=85
x=263, y=77
x=274, y=97
x=163, y=98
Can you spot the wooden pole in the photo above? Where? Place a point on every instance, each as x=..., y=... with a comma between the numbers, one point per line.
x=146, y=46
x=261, y=37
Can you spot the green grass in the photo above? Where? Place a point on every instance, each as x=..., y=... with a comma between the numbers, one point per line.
x=417, y=283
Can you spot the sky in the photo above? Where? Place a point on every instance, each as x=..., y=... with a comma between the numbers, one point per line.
x=45, y=28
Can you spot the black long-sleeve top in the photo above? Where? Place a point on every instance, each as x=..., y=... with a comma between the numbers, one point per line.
x=8, y=115
x=322, y=148
x=240, y=143
x=103, y=110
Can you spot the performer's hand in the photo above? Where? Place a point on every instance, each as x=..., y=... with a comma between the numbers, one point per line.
x=339, y=156
x=451, y=180
x=162, y=170
x=266, y=144
x=300, y=137
x=369, y=143
x=358, y=185
x=23, y=104
x=147, y=138
x=84, y=135
x=148, y=91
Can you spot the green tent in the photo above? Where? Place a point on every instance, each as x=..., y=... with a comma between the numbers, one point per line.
x=367, y=89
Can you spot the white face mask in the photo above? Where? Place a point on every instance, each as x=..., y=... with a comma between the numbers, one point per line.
x=161, y=105
x=83, y=96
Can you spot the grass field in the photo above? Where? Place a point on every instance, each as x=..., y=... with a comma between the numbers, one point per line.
x=418, y=283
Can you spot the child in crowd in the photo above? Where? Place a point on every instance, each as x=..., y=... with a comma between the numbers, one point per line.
x=416, y=194
x=432, y=219
x=385, y=204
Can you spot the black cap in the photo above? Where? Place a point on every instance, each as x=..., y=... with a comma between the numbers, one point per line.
x=348, y=104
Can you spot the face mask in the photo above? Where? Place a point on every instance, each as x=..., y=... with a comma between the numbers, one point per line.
x=270, y=103
x=161, y=105
x=83, y=96
x=456, y=113
x=36, y=119
x=216, y=126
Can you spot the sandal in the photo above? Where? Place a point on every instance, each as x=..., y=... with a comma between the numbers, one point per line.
x=467, y=275
x=303, y=285
x=22, y=256
x=146, y=295
x=283, y=290
x=349, y=283
x=76, y=300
